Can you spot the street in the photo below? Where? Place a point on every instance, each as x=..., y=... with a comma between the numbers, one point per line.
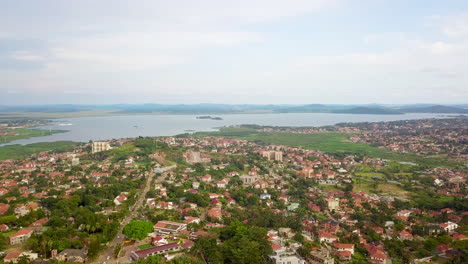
x=119, y=238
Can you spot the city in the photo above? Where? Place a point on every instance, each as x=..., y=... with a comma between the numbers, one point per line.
x=201, y=198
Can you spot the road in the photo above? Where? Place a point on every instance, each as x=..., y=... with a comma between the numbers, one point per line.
x=119, y=238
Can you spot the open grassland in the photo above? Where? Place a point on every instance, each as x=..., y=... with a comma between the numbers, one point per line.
x=381, y=188
x=369, y=174
x=22, y=133
x=55, y=115
x=328, y=142
x=21, y=152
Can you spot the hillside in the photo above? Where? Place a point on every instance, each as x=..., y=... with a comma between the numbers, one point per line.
x=435, y=109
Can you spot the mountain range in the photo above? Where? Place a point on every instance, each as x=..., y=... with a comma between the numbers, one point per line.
x=240, y=108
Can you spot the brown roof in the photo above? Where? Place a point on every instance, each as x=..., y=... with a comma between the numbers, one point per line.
x=146, y=252
x=22, y=232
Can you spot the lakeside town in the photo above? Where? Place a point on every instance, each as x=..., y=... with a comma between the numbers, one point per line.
x=199, y=198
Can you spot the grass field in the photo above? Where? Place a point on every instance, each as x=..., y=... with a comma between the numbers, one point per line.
x=26, y=133
x=369, y=174
x=328, y=142
x=145, y=246
x=21, y=152
x=382, y=188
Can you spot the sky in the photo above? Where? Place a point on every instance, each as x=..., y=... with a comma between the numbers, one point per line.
x=233, y=52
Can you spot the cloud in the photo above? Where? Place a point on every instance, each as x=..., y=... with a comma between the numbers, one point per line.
x=456, y=26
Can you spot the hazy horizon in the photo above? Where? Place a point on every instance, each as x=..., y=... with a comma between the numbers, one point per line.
x=234, y=52
x=234, y=104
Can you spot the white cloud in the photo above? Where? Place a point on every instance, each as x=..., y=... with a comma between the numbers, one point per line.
x=456, y=26
x=27, y=56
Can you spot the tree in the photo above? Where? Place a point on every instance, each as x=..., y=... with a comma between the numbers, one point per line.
x=138, y=229
x=94, y=247
x=3, y=242
x=23, y=259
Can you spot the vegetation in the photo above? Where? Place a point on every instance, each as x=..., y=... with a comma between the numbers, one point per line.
x=22, y=133
x=21, y=152
x=138, y=229
x=240, y=244
x=328, y=142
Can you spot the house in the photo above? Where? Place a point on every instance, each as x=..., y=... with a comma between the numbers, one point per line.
x=404, y=213
x=39, y=223
x=215, y=213
x=13, y=256
x=3, y=191
x=3, y=228
x=4, y=208
x=379, y=257
x=404, y=235
x=449, y=226
x=72, y=255
x=191, y=219
x=206, y=178
x=377, y=254
x=230, y=201
x=282, y=257
x=314, y=207
x=120, y=199
x=24, y=209
x=344, y=247
x=164, y=249
x=327, y=237
x=20, y=236
x=159, y=241
x=169, y=227
x=165, y=205
x=222, y=183
x=260, y=185
x=265, y=196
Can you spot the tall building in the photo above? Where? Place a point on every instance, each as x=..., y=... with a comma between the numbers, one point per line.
x=273, y=155
x=333, y=203
x=195, y=157
x=100, y=146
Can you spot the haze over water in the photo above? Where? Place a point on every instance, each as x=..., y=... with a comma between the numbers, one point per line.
x=84, y=129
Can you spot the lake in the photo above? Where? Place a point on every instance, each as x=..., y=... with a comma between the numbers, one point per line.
x=83, y=129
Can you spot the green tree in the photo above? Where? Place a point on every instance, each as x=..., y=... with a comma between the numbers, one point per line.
x=138, y=229
x=94, y=247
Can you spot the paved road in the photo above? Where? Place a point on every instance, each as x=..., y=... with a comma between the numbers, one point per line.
x=119, y=238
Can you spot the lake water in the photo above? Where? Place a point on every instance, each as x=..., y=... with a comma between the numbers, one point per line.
x=83, y=129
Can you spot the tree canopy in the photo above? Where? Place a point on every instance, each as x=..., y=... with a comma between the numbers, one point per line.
x=138, y=229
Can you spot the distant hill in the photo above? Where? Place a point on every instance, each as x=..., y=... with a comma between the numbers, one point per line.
x=442, y=109
x=314, y=108
x=206, y=109
x=369, y=111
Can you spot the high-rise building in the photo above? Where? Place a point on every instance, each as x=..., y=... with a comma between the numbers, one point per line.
x=100, y=146
x=273, y=155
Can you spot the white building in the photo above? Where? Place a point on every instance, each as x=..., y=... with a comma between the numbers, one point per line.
x=100, y=146
x=284, y=257
x=333, y=203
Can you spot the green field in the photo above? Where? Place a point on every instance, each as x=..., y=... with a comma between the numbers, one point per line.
x=21, y=152
x=369, y=174
x=382, y=188
x=145, y=246
x=328, y=142
x=26, y=133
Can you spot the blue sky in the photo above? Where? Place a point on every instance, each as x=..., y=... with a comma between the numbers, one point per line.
x=216, y=51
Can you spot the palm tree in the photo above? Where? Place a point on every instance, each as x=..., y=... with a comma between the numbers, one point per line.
x=46, y=246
